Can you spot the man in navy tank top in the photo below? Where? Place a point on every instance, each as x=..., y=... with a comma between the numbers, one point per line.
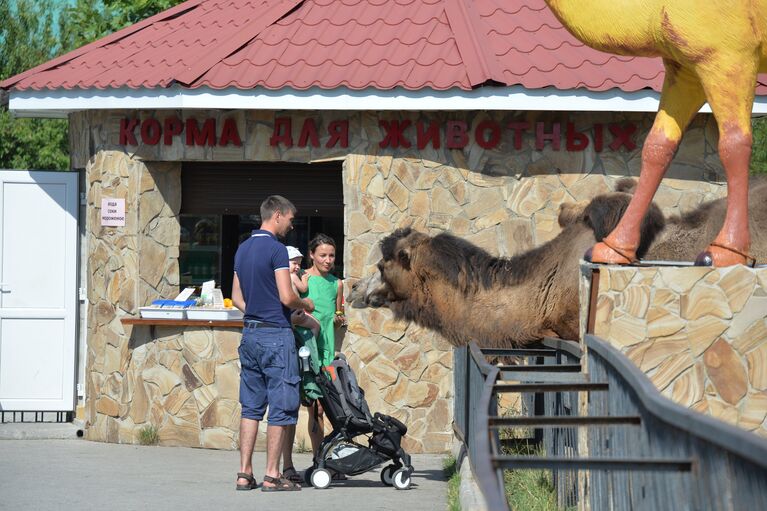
x=269, y=376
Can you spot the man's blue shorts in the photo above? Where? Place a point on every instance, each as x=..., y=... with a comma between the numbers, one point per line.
x=269, y=375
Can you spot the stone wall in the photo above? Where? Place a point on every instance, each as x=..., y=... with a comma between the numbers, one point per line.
x=127, y=267
x=700, y=335
x=504, y=199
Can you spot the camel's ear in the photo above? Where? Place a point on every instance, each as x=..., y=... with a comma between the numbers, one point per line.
x=626, y=185
x=405, y=250
x=390, y=242
x=571, y=212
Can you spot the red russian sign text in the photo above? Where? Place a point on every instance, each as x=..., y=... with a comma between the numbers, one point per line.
x=151, y=131
x=395, y=134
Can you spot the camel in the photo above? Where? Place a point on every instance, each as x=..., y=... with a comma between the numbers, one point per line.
x=712, y=51
x=450, y=286
x=446, y=284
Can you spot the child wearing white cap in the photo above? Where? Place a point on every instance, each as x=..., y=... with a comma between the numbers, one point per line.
x=299, y=317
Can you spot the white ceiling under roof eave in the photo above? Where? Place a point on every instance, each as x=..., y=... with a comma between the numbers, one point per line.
x=58, y=103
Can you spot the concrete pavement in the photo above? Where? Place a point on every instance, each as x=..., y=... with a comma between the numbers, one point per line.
x=41, y=430
x=81, y=475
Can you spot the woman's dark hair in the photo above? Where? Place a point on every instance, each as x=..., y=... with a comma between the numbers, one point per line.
x=321, y=239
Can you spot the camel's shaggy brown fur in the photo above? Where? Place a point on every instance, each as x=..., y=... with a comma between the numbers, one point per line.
x=457, y=289
x=687, y=235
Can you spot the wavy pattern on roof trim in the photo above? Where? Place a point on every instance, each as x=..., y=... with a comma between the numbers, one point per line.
x=359, y=44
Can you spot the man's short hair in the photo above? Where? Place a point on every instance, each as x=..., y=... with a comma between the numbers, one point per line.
x=275, y=203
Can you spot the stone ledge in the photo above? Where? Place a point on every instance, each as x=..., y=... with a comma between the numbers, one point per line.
x=470, y=496
x=699, y=334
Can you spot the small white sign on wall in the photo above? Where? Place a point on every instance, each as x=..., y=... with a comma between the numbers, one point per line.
x=112, y=212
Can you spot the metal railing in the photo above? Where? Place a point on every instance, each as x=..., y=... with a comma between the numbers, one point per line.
x=474, y=398
x=610, y=440
x=23, y=416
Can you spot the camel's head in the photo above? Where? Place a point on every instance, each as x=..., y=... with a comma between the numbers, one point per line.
x=395, y=278
x=367, y=292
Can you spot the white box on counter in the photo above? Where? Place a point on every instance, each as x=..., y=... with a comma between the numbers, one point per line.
x=208, y=314
x=162, y=313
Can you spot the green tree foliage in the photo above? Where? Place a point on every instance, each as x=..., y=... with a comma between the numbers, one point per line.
x=86, y=20
x=27, y=38
x=26, y=34
x=130, y=11
x=33, y=143
x=759, y=155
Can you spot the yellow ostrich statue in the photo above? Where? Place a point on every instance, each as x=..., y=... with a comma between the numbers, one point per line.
x=712, y=51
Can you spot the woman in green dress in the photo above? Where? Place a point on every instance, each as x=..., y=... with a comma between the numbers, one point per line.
x=326, y=291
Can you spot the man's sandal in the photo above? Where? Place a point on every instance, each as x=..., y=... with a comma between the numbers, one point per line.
x=250, y=485
x=292, y=475
x=280, y=484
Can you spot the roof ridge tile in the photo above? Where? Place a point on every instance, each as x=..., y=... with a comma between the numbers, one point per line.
x=480, y=65
x=274, y=12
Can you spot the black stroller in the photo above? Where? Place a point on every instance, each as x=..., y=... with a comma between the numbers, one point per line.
x=346, y=409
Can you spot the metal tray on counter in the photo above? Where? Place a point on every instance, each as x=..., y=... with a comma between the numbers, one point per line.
x=211, y=314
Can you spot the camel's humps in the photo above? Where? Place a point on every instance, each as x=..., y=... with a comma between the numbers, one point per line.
x=457, y=289
x=685, y=235
x=688, y=234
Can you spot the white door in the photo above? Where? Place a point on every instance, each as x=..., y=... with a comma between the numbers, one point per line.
x=38, y=290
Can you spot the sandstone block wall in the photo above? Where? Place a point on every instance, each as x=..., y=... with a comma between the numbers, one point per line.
x=504, y=199
x=128, y=267
x=700, y=335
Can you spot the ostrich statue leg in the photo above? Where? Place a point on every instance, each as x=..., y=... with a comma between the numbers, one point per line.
x=733, y=115
x=681, y=98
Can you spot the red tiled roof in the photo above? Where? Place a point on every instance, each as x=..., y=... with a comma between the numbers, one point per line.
x=359, y=44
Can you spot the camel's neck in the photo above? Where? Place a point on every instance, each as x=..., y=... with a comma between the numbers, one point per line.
x=625, y=28
x=490, y=317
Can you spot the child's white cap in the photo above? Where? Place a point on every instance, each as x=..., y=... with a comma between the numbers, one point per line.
x=293, y=252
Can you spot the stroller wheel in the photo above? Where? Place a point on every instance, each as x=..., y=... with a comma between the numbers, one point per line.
x=387, y=474
x=320, y=478
x=401, y=479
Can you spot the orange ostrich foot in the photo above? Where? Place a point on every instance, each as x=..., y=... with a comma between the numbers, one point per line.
x=603, y=252
x=719, y=255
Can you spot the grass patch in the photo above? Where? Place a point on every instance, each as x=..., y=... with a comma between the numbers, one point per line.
x=531, y=490
x=450, y=469
x=148, y=435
